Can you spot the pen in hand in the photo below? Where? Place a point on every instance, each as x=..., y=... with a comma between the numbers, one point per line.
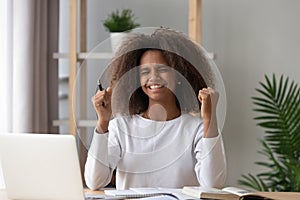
x=101, y=89
x=99, y=85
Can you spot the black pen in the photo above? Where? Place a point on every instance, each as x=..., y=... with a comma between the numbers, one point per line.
x=101, y=89
x=99, y=85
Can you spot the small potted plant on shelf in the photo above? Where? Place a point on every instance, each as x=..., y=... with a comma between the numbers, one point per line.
x=118, y=23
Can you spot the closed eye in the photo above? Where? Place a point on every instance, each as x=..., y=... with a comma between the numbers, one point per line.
x=163, y=69
x=144, y=71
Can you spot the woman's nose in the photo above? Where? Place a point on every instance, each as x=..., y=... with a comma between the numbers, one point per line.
x=154, y=74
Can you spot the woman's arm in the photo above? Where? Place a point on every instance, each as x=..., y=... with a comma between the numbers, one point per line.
x=103, y=157
x=210, y=168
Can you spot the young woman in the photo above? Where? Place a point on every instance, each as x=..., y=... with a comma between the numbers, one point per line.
x=146, y=128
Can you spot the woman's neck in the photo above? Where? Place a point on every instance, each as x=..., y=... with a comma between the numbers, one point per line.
x=162, y=112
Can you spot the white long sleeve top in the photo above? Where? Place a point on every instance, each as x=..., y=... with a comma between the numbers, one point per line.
x=151, y=153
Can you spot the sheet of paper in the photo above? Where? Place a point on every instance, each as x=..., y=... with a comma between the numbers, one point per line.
x=146, y=193
x=162, y=197
x=101, y=196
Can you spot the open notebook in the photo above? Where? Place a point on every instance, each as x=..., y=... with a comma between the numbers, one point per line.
x=150, y=193
x=40, y=166
x=234, y=193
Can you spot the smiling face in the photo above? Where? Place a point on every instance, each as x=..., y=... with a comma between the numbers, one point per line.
x=156, y=77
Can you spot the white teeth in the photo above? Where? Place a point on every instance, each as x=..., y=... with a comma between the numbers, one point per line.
x=155, y=86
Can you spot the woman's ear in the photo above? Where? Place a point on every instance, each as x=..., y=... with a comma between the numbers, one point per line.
x=178, y=78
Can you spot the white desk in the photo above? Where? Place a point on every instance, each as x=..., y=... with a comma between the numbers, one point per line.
x=3, y=195
x=275, y=195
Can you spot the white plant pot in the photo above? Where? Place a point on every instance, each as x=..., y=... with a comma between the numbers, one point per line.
x=116, y=40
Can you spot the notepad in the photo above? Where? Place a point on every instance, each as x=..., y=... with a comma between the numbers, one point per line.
x=159, y=193
x=101, y=196
x=134, y=194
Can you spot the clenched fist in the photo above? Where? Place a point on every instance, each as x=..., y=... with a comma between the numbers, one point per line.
x=209, y=99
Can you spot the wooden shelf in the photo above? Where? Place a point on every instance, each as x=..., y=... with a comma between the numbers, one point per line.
x=84, y=55
x=62, y=96
x=104, y=55
x=74, y=57
x=80, y=123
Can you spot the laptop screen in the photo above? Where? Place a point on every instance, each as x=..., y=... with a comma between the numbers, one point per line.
x=40, y=166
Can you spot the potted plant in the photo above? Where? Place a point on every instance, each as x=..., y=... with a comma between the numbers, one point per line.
x=117, y=23
x=279, y=108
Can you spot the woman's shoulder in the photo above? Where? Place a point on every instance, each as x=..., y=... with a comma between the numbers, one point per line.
x=192, y=117
x=122, y=118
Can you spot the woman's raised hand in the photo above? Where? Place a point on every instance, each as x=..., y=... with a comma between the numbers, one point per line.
x=209, y=99
x=102, y=106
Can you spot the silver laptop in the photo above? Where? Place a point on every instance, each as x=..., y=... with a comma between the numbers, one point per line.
x=40, y=166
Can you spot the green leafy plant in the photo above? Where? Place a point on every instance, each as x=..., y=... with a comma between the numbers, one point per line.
x=120, y=21
x=279, y=109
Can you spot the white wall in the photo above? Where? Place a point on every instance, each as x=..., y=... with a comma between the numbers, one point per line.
x=249, y=38
x=170, y=13
x=2, y=184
